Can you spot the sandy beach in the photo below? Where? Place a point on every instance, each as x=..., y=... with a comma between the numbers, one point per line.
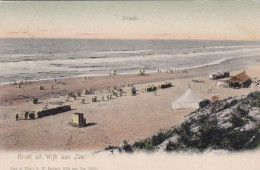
x=130, y=118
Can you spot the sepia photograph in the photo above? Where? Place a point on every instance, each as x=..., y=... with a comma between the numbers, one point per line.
x=92, y=85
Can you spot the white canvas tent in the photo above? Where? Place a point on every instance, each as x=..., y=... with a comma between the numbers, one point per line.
x=189, y=99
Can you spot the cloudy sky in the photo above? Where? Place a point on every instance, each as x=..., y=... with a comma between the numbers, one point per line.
x=206, y=20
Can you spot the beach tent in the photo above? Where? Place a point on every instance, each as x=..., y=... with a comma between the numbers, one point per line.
x=189, y=99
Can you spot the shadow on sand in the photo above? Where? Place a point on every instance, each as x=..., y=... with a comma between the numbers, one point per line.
x=90, y=124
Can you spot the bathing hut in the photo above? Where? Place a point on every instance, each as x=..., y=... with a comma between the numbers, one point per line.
x=241, y=80
x=78, y=120
x=140, y=72
x=113, y=72
x=219, y=75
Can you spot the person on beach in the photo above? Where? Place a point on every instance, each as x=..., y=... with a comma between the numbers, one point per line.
x=31, y=115
x=83, y=101
x=26, y=115
x=16, y=117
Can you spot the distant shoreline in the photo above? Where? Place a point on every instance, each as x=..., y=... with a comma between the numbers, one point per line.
x=37, y=60
x=103, y=81
x=148, y=72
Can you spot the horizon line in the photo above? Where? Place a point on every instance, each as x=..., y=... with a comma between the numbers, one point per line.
x=134, y=39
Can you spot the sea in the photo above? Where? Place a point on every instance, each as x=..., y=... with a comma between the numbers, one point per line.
x=42, y=59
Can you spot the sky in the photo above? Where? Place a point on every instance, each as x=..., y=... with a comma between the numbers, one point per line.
x=198, y=20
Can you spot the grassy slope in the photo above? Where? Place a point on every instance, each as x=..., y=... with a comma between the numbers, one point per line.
x=232, y=124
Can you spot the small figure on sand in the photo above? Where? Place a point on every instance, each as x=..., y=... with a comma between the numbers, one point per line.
x=83, y=101
x=210, y=90
x=16, y=117
x=31, y=116
x=26, y=114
